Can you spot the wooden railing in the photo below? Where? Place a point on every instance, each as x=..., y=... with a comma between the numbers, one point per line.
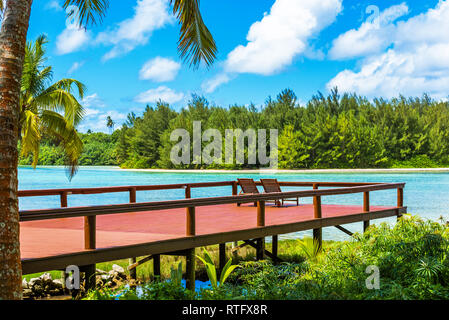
x=90, y=212
x=259, y=231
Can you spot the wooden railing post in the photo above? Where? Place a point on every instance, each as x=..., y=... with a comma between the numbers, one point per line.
x=64, y=199
x=133, y=199
x=260, y=242
x=132, y=195
x=400, y=198
x=400, y=203
x=89, y=244
x=366, y=209
x=317, y=233
x=190, y=256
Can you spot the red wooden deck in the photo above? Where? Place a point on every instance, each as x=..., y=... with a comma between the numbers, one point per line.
x=47, y=238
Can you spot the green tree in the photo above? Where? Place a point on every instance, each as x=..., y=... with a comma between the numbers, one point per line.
x=48, y=108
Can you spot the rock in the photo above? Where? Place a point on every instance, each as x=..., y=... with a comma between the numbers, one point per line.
x=118, y=269
x=27, y=292
x=46, y=278
x=34, y=281
x=58, y=284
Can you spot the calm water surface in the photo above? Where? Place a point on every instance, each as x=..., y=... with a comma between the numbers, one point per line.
x=426, y=194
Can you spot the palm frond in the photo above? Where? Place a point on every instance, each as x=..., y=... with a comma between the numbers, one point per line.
x=89, y=10
x=59, y=97
x=30, y=136
x=195, y=43
x=56, y=125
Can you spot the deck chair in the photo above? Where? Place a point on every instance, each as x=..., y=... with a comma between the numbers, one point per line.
x=249, y=187
x=272, y=185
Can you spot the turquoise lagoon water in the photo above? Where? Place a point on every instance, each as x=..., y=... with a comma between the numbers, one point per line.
x=426, y=194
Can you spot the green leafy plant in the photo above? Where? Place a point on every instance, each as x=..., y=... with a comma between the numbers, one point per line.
x=310, y=247
x=212, y=272
x=176, y=274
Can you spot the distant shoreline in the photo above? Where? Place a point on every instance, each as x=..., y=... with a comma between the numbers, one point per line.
x=267, y=171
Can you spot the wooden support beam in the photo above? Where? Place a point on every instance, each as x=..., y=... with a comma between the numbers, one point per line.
x=260, y=248
x=344, y=230
x=135, y=264
x=366, y=209
x=190, y=270
x=221, y=256
x=132, y=261
x=157, y=265
x=132, y=271
x=317, y=233
x=274, y=248
x=89, y=276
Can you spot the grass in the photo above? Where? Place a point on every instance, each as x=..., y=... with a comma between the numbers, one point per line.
x=288, y=250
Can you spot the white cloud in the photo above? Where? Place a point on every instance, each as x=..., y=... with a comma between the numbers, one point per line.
x=75, y=66
x=416, y=62
x=159, y=70
x=93, y=100
x=54, y=5
x=149, y=15
x=161, y=93
x=371, y=37
x=71, y=39
x=281, y=35
x=211, y=84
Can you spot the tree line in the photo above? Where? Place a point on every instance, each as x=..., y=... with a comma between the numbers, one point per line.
x=333, y=131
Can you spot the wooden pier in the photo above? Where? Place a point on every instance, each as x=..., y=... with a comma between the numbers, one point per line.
x=52, y=239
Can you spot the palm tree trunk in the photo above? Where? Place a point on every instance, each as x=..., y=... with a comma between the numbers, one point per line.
x=12, y=51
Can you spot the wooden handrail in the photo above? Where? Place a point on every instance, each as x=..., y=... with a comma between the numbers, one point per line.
x=41, y=214
x=56, y=192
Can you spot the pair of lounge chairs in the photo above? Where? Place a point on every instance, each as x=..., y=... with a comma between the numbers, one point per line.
x=269, y=185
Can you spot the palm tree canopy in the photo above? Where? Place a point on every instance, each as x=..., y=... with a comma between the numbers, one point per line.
x=195, y=44
x=48, y=108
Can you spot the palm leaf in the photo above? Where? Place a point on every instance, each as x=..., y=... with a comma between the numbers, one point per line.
x=88, y=10
x=56, y=125
x=195, y=43
x=30, y=136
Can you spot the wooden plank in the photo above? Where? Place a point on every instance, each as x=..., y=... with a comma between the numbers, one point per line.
x=59, y=262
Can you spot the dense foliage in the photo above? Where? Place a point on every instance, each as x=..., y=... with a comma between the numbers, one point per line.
x=412, y=258
x=337, y=131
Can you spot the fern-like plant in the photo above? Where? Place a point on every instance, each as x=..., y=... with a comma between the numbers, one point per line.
x=212, y=271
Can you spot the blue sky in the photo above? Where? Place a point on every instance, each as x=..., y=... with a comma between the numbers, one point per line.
x=375, y=48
